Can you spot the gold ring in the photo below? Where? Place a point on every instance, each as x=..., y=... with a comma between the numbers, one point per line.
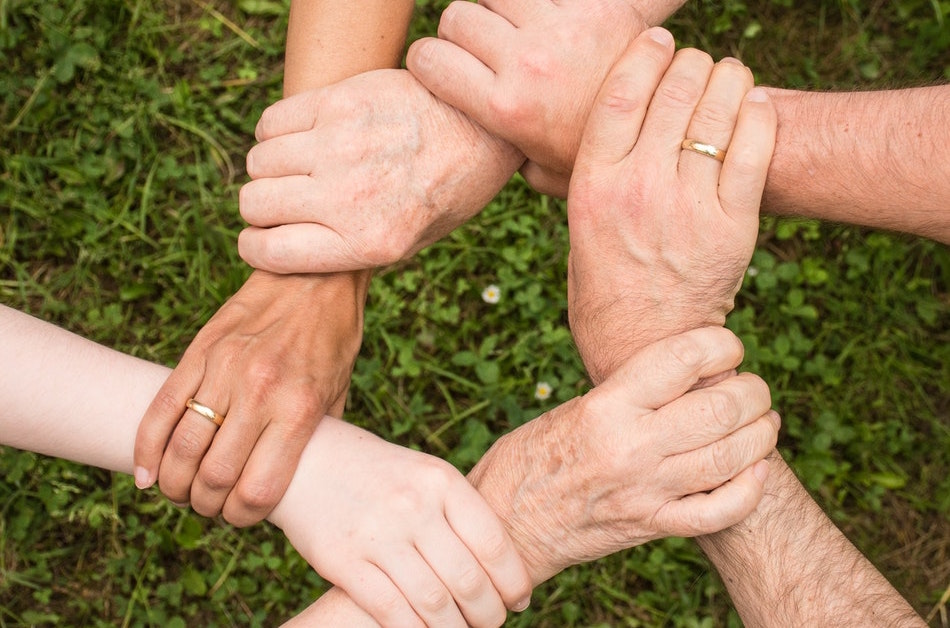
x=205, y=411
x=719, y=154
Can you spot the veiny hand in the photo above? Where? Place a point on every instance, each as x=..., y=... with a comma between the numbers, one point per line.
x=273, y=360
x=364, y=173
x=661, y=236
x=638, y=458
x=529, y=70
x=402, y=532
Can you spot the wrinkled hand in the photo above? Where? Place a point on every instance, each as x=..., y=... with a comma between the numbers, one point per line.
x=660, y=236
x=529, y=70
x=402, y=532
x=362, y=174
x=273, y=360
x=637, y=458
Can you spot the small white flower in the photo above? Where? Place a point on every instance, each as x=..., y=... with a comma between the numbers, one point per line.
x=752, y=271
x=491, y=294
x=542, y=391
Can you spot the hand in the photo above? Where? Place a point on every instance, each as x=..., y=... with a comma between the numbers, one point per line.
x=529, y=70
x=273, y=360
x=661, y=236
x=402, y=532
x=637, y=458
x=364, y=173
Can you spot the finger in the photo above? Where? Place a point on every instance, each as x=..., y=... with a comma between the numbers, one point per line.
x=454, y=76
x=518, y=12
x=425, y=591
x=665, y=370
x=714, y=120
x=270, y=464
x=161, y=417
x=189, y=442
x=299, y=248
x=621, y=105
x=709, y=467
x=706, y=415
x=546, y=181
x=469, y=586
x=273, y=201
x=479, y=31
x=673, y=105
x=291, y=115
x=747, y=162
x=375, y=593
x=705, y=513
x=281, y=156
x=224, y=462
x=485, y=537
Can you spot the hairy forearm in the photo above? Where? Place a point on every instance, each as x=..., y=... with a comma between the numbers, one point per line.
x=878, y=159
x=788, y=565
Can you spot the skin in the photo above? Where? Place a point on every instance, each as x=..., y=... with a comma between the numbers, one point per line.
x=279, y=353
x=689, y=481
x=858, y=158
x=546, y=507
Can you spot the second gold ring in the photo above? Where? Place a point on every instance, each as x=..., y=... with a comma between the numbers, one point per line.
x=719, y=154
x=205, y=411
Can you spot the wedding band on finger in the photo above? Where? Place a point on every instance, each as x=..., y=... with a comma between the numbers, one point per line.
x=719, y=154
x=205, y=411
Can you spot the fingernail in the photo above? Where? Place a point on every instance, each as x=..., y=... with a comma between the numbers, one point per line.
x=761, y=470
x=757, y=94
x=660, y=36
x=731, y=60
x=181, y=504
x=143, y=479
x=520, y=606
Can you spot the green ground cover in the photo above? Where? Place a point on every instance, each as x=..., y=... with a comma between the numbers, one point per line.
x=123, y=126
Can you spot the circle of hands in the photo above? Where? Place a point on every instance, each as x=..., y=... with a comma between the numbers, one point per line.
x=368, y=171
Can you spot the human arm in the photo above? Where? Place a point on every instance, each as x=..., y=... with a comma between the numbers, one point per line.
x=877, y=159
x=807, y=573
x=280, y=352
x=539, y=477
x=786, y=564
x=524, y=70
x=415, y=535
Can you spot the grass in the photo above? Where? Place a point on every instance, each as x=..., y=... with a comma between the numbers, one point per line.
x=123, y=126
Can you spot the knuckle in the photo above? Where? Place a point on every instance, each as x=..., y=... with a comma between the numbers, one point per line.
x=218, y=474
x=188, y=443
x=684, y=351
x=493, y=546
x=714, y=115
x=263, y=373
x=723, y=409
x=678, y=91
x=435, y=599
x=167, y=403
x=722, y=462
x=389, y=608
x=622, y=94
x=257, y=495
x=470, y=583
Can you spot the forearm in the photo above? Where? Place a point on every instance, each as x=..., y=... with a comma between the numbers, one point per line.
x=877, y=159
x=788, y=565
x=68, y=397
x=330, y=40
